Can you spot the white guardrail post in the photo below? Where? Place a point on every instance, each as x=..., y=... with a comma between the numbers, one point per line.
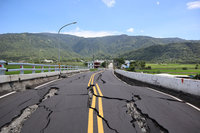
x=2, y=69
x=49, y=70
x=33, y=69
x=22, y=69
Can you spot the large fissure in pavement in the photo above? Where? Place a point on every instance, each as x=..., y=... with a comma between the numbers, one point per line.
x=90, y=95
x=143, y=122
x=15, y=125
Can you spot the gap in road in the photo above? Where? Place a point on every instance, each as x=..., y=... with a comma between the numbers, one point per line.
x=145, y=123
x=15, y=125
x=90, y=96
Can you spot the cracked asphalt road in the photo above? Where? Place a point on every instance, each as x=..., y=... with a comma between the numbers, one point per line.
x=99, y=102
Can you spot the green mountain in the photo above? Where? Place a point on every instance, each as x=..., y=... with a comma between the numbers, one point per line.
x=38, y=46
x=116, y=45
x=187, y=52
x=32, y=47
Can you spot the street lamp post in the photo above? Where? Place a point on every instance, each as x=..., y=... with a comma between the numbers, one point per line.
x=59, y=43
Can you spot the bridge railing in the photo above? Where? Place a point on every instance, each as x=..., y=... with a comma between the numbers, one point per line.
x=22, y=67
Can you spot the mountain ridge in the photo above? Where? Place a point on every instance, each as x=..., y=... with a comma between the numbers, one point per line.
x=38, y=46
x=186, y=52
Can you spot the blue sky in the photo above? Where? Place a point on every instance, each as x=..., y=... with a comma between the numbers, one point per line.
x=156, y=18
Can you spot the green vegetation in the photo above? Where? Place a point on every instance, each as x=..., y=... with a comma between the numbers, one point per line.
x=187, y=53
x=197, y=76
x=175, y=69
x=92, y=70
x=103, y=64
x=118, y=62
x=134, y=65
x=28, y=47
x=74, y=63
x=34, y=48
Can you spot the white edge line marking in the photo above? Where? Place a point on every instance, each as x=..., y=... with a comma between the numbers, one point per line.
x=193, y=106
x=51, y=82
x=34, y=88
x=7, y=94
x=163, y=94
x=46, y=83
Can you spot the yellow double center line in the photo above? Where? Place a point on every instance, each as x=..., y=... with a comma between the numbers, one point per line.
x=91, y=113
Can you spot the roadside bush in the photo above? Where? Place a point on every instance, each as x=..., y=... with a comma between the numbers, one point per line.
x=185, y=68
x=148, y=68
x=197, y=76
x=131, y=68
x=196, y=67
x=158, y=71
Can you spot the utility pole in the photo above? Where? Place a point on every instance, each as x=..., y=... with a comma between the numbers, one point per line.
x=59, y=43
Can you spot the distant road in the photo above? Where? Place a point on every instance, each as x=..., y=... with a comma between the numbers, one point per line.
x=98, y=102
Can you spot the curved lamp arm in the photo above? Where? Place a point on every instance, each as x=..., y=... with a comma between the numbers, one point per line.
x=65, y=26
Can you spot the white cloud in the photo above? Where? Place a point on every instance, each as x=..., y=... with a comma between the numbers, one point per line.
x=109, y=3
x=130, y=30
x=193, y=5
x=86, y=33
x=158, y=3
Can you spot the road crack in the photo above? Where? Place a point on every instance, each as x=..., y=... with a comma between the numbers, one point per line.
x=48, y=118
x=90, y=95
x=15, y=125
x=106, y=121
x=100, y=78
x=145, y=123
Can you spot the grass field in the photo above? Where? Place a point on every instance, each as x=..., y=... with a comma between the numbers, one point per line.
x=74, y=63
x=92, y=70
x=175, y=69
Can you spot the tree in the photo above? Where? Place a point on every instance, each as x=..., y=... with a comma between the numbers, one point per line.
x=118, y=62
x=142, y=64
x=131, y=67
x=103, y=64
x=137, y=65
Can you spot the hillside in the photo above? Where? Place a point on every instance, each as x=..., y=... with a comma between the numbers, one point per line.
x=187, y=52
x=32, y=47
x=37, y=46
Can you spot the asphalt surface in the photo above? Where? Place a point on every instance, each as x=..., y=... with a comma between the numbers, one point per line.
x=99, y=102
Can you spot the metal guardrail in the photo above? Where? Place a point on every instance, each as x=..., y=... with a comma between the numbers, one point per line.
x=43, y=67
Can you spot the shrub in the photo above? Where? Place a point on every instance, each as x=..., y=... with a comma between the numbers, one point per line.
x=184, y=68
x=131, y=68
x=149, y=68
x=158, y=71
x=196, y=67
x=197, y=76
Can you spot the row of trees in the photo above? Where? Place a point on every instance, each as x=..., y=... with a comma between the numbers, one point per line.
x=118, y=62
x=133, y=65
x=138, y=65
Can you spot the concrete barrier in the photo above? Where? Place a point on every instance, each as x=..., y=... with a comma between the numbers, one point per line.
x=22, y=81
x=189, y=86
